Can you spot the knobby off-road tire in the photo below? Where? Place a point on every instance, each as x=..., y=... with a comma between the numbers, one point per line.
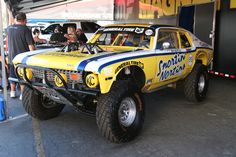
x=196, y=84
x=38, y=106
x=120, y=113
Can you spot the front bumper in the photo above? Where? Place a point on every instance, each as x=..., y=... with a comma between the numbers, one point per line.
x=68, y=93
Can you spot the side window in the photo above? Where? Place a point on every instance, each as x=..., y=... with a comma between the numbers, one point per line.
x=93, y=26
x=167, y=39
x=66, y=25
x=50, y=29
x=184, y=40
x=89, y=27
x=85, y=27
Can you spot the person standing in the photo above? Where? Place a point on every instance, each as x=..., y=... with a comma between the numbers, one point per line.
x=81, y=36
x=71, y=35
x=58, y=36
x=20, y=40
x=36, y=38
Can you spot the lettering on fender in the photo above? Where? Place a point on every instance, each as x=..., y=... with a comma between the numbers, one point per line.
x=171, y=67
x=122, y=65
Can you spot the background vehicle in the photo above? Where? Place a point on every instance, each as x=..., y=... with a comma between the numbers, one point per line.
x=107, y=76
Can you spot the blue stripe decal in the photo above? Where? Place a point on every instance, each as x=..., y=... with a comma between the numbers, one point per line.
x=36, y=52
x=24, y=60
x=83, y=64
x=123, y=59
x=142, y=56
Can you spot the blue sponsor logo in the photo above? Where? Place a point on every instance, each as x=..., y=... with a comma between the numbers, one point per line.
x=171, y=67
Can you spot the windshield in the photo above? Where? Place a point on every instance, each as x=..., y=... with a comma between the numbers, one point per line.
x=125, y=37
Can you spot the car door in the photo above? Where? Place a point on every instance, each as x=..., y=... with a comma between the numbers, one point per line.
x=186, y=47
x=170, y=57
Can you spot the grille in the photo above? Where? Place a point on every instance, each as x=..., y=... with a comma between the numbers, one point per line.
x=50, y=75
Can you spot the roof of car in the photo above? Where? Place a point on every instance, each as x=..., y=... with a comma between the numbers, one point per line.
x=154, y=26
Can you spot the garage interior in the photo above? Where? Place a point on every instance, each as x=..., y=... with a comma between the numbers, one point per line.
x=173, y=126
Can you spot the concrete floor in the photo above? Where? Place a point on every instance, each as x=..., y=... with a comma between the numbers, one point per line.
x=173, y=128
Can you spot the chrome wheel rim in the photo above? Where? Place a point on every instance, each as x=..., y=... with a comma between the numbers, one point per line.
x=127, y=112
x=201, y=84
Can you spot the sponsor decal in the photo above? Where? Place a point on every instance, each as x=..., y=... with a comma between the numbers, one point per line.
x=69, y=65
x=128, y=63
x=139, y=30
x=140, y=56
x=129, y=29
x=101, y=28
x=148, y=32
x=171, y=67
x=113, y=29
x=64, y=54
x=154, y=9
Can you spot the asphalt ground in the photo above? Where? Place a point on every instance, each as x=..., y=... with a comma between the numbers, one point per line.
x=173, y=127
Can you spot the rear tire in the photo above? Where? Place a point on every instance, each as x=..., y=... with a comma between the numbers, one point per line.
x=196, y=84
x=120, y=113
x=38, y=106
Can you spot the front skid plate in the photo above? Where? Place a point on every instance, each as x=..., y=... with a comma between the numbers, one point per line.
x=53, y=95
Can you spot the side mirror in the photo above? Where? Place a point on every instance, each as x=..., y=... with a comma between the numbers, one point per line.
x=166, y=45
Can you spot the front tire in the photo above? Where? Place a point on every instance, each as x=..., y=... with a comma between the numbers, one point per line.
x=196, y=84
x=120, y=113
x=39, y=106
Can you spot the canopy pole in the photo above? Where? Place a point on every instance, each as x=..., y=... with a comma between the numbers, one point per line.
x=4, y=78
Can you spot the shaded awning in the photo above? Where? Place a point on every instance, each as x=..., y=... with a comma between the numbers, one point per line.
x=27, y=6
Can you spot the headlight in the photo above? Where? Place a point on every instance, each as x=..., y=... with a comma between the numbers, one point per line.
x=20, y=72
x=29, y=73
x=58, y=81
x=91, y=80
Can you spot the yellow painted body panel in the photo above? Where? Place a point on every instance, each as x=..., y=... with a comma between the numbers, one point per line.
x=160, y=69
x=151, y=69
x=57, y=60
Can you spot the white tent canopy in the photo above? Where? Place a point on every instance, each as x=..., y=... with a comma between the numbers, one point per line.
x=81, y=10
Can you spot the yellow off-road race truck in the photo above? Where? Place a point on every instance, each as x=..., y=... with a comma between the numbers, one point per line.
x=107, y=76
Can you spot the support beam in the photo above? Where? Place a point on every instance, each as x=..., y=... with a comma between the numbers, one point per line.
x=4, y=78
